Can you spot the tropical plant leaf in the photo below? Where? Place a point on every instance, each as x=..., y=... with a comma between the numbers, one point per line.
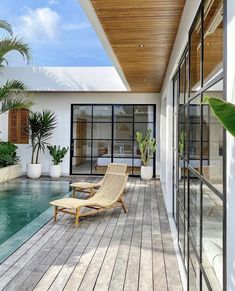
x=12, y=87
x=9, y=44
x=6, y=26
x=17, y=103
x=224, y=112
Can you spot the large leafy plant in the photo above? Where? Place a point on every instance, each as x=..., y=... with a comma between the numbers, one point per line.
x=224, y=112
x=147, y=146
x=8, y=154
x=57, y=153
x=13, y=93
x=40, y=126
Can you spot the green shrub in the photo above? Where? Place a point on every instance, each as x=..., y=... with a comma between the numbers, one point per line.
x=8, y=154
x=57, y=154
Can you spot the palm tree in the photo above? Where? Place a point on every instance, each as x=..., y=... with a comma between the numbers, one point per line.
x=12, y=92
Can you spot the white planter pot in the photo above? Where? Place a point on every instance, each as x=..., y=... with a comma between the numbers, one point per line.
x=146, y=172
x=34, y=170
x=55, y=171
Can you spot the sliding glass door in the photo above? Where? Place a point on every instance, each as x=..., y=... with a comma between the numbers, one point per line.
x=198, y=150
x=101, y=134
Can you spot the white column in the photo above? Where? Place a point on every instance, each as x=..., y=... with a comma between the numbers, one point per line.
x=230, y=83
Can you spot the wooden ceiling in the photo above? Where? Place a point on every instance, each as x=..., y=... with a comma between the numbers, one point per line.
x=142, y=34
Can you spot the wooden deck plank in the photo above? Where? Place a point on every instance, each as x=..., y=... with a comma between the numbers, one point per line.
x=109, y=251
x=133, y=266
x=145, y=278
x=159, y=281
x=105, y=272
x=119, y=270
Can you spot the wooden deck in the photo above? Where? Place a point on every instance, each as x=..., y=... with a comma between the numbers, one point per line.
x=109, y=251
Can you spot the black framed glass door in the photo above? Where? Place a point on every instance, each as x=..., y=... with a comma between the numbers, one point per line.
x=101, y=134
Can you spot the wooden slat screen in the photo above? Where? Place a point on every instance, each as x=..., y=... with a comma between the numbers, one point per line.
x=17, y=126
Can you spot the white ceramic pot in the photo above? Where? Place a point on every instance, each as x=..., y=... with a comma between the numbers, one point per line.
x=34, y=170
x=146, y=172
x=55, y=171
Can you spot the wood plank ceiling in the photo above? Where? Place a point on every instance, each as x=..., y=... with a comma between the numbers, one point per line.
x=142, y=34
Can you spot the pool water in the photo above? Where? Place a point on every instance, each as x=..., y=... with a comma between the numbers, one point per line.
x=22, y=201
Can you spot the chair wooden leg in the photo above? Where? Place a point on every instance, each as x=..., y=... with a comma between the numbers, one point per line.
x=123, y=204
x=77, y=217
x=73, y=192
x=55, y=213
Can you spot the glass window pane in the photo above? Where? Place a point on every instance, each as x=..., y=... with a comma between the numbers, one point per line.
x=82, y=130
x=195, y=56
x=122, y=148
x=213, y=130
x=101, y=148
x=144, y=113
x=194, y=270
x=195, y=133
x=102, y=130
x=187, y=78
x=194, y=209
x=213, y=38
x=123, y=113
x=81, y=165
x=82, y=113
x=182, y=132
x=102, y=113
x=182, y=82
x=181, y=233
x=123, y=131
x=143, y=127
x=212, y=238
x=82, y=148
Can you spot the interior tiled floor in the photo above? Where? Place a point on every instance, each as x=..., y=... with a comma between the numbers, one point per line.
x=109, y=251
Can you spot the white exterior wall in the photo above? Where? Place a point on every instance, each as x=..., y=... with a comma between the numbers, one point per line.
x=230, y=94
x=60, y=103
x=166, y=149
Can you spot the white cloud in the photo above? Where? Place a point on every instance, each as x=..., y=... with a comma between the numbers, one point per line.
x=77, y=26
x=53, y=2
x=40, y=24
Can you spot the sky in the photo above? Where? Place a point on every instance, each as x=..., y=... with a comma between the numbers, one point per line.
x=58, y=32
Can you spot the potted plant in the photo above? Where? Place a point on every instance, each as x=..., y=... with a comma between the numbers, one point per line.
x=57, y=154
x=147, y=146
x=40, y=127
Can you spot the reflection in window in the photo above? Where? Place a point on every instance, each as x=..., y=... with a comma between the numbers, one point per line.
x=102, y=113
x=212, y=238
x=195, y=133
x=182, y=82
x=213, y=170
x=194, y=208
x=195, y=56
x=213, y=38
x=144, y=113
x=123, y=113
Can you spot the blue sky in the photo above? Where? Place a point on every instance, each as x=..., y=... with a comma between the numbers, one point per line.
x=58, y=32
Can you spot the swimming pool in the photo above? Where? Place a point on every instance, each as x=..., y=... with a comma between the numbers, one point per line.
x=24, y=209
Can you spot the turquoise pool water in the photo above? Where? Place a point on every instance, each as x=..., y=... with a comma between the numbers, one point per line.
x=23, y=203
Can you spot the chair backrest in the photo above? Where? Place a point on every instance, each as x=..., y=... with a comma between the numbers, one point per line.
x=112, y=188
x=117, y=168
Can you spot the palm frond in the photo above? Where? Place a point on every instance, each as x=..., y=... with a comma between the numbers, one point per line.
x=12, y=87
x=17, y=103
x=15, y=44
x=6, y=26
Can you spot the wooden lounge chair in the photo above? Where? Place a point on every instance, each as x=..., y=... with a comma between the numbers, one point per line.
x=108, y=196
x=91, y=188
